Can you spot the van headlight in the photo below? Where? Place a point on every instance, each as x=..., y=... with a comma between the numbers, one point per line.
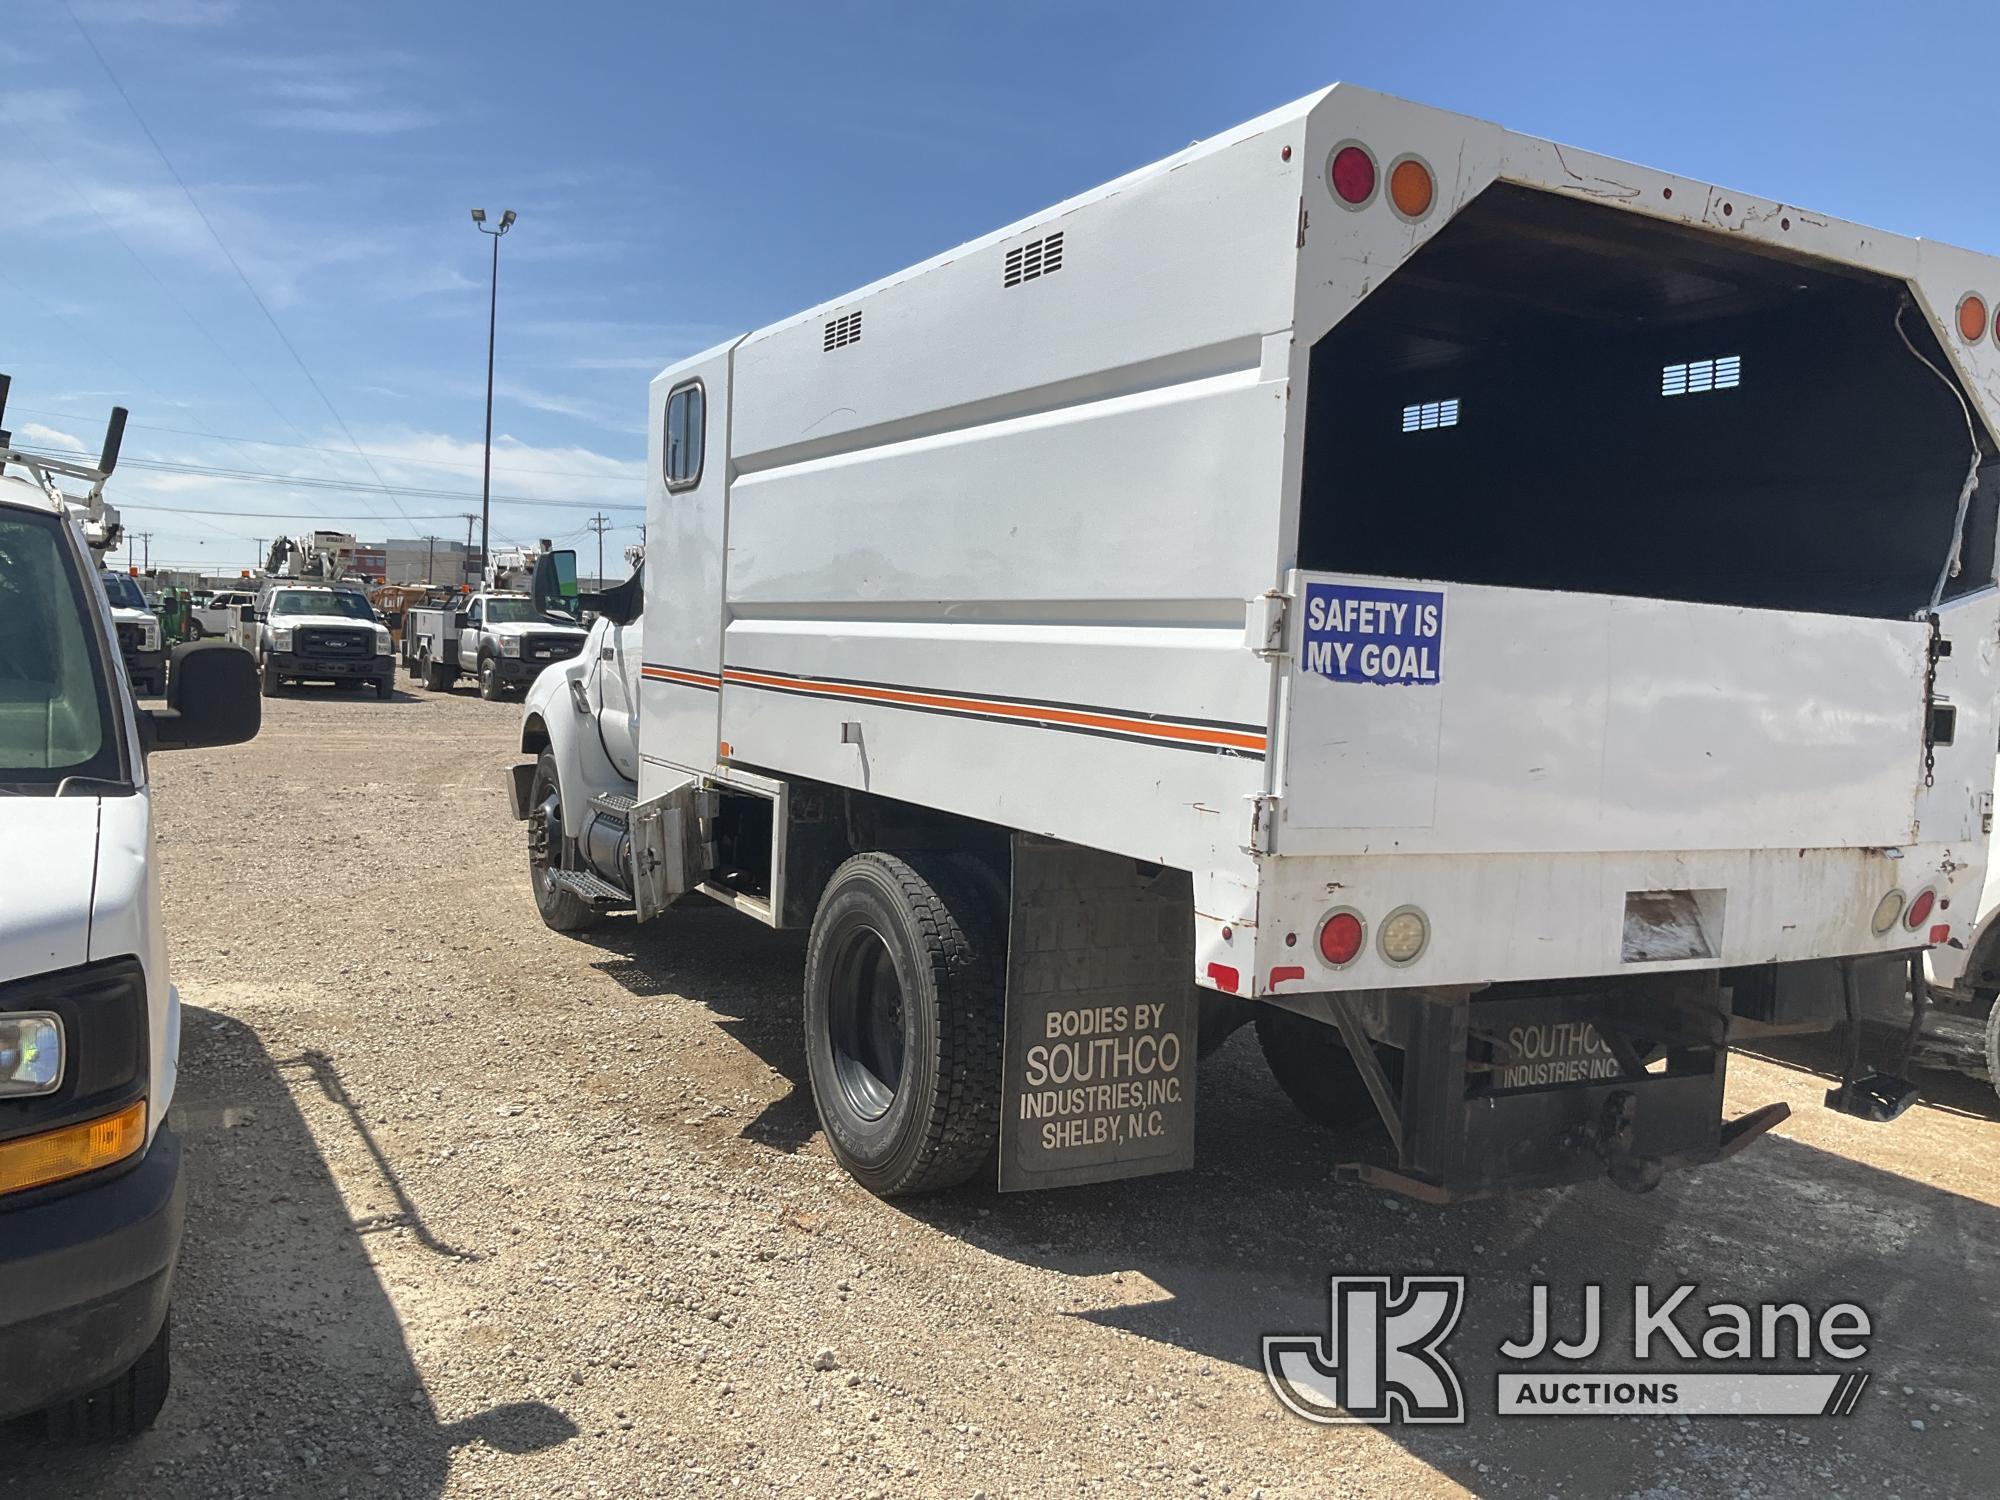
x=31, y=1053
x=281, y=637
x=381, y=640
x=510, y=645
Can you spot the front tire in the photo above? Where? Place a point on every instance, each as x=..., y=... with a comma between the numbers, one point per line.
x=903, y=1001
x=120, y=1408
x=562, y=911
x=1313, y=1067
x=490, y=687
x=268, y=682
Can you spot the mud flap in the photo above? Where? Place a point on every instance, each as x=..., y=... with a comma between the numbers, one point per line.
x=665, y=847
x=1101, y=1019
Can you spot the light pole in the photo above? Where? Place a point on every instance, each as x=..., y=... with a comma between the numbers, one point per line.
x=492, y=322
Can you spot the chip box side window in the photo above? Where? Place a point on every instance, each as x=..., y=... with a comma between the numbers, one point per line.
x=686, y=414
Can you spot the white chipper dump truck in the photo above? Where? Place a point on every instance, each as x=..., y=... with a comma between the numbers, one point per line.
x=1506, y=621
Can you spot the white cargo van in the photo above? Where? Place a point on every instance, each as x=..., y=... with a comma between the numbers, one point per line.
x=1506, y=620
x=90, y=1186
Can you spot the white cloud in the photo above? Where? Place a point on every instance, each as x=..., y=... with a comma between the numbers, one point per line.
x=50, y=437
x=39, y=107
x=375, y=119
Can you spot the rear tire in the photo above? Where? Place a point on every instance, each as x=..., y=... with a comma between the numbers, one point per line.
x=120, y=1408
x=1993, y=1046
x=435, y=678
x=562, y=911
x=903, y=1002
x=1314, y=1069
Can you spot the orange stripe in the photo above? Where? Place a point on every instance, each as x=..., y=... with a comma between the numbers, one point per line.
x=670, y=674
x=1153, y=728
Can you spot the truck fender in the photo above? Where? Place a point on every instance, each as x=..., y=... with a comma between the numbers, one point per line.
x=550, y=720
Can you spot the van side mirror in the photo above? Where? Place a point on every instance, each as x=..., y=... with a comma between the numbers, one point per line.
x=554, y=584
x=212, y=699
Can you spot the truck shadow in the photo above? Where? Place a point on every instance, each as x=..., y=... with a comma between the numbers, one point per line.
x=1209, y=1261
x=277, y=1310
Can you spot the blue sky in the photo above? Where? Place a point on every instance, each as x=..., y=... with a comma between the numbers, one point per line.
x=685, y=172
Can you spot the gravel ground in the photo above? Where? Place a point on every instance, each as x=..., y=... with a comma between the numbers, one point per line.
x=476, y=1209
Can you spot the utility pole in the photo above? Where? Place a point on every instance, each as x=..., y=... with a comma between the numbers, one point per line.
x=492, y=324
x=600, y=523
x=430, y=558
x=147, y=565
x=258, y=561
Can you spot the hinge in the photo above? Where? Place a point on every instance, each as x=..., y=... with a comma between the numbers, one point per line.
x=1985, y=812
x=1263, y=822
x=1264, y=624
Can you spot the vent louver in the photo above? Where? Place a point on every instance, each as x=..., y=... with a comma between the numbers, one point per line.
x=1426, y=416
x=1723, y=373
x=1042, y=257
x=842, y=331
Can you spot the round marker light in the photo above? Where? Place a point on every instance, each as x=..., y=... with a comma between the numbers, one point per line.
x=1972, y=317
x=1920, y=909
x=1340, y=937
x=1404, y=935
x=1411, y=188
x=1887, y=910
x=1350, y=172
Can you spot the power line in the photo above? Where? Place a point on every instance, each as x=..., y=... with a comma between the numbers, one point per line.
x=340, y=486
x=229, y=256
x=397, y=458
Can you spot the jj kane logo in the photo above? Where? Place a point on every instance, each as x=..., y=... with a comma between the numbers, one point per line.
x=1382, y=1357
x=1380, y=1360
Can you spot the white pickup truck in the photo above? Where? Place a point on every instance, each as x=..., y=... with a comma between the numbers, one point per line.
x=91, y=1193
x=1508, y=621
x=500, y=639
x=139, y=636
x=317, y=632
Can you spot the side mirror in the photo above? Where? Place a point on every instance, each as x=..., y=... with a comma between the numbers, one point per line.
x=554, y=583
x=212, y=698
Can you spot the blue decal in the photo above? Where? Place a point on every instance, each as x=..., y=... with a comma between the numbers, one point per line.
x=1355, y=633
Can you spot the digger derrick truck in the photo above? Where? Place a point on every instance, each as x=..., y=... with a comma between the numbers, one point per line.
x=1504, y=622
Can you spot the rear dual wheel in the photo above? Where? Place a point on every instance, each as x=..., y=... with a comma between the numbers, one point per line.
x=1316, y=1071
x=904, y=984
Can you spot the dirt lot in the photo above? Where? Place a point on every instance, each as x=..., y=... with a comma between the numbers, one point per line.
x=480, y=1210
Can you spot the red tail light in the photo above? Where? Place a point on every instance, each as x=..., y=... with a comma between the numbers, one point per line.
x=1351, y=173
x=1920, y=909
x=1340, y=937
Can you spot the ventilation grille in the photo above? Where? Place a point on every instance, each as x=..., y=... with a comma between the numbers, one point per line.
x=842, y=331
x=1723, y=373
x=1426, y=415
x=1042, y=257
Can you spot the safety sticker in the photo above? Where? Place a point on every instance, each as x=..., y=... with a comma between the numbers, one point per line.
x=1358, y=633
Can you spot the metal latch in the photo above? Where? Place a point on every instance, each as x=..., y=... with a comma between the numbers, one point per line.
x=1264, y=624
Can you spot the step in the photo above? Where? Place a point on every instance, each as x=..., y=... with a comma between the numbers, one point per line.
x=615, y=803
x=589, y=886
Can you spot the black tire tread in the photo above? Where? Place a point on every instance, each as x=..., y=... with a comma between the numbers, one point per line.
x=959, y=943
x=1312, y=1066
x=122, y=1407
x=563, y=911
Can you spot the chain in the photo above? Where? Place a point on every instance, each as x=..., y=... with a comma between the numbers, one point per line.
x=1930, y=689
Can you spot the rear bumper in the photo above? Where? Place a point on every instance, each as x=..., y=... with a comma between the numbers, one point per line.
x=1534, y=916
x=88, y=1275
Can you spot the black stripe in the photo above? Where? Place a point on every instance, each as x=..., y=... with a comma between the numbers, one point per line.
x=1135, y=737
x=1084, y=708
x=1854, y=1396
x=1834, y=1396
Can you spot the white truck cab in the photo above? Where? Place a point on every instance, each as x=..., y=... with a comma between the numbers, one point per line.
x=319, y=632
x=90, y=1184
x=501, y=639
x=139, y=640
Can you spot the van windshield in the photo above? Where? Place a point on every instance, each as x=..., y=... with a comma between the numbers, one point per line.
x=56, y=709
